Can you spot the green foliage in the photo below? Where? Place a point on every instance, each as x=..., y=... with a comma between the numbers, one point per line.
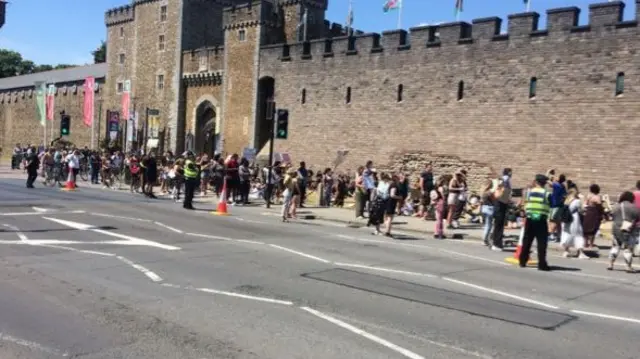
x=100, y=54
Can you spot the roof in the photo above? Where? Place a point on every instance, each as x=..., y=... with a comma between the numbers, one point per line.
x=56, y=76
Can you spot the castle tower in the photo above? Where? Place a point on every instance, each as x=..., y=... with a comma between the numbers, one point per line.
x=292, y=12
x=246, y=28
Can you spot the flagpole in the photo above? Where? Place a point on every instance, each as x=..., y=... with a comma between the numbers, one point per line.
x=349, y=18
x=400, y=14
x=306, y=15
x=529, y=5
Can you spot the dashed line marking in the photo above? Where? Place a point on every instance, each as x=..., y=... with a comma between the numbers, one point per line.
x=19, y=233
x=151, y=275
x=173, y=229
x=245, y=296
x=120, y=217
x=607, y=316
x=209, y=236
x=381, y=269
x=405, y=352
x=300, y=253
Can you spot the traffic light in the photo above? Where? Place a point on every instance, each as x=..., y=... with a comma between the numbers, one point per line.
x=65, y=125
x=282, y=124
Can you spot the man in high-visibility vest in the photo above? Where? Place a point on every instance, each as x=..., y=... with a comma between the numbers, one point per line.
x=191, y=180
x=537, y=211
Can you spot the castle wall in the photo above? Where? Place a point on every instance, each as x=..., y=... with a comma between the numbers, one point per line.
x=199, y=88
x=19, y=121
x=575, y=122
x=211, y=57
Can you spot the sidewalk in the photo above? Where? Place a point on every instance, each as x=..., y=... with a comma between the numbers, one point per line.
x=421, y=227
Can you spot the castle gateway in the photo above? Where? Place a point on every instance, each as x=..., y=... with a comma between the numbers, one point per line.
x=458, y=94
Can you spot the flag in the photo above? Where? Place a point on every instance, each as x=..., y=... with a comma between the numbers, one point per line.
x=89, y=91
x=126, y=100
x=41, y=90
x=526, y=2
x=50, y=103
x=458, y=7
x=391, y=5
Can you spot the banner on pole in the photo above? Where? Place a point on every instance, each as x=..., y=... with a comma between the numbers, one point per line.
x=50, y=102
x=126, y=100
x=40, y=102
x=114, y=125
x=89, y=91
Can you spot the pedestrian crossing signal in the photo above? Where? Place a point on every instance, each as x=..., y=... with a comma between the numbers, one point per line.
x=282, y=124
x=65, y=125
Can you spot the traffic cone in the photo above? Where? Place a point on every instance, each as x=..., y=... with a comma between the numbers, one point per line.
x=221, y=210
x=70, y=185
x=516, y=254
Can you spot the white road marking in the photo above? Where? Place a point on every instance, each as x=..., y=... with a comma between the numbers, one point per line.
x=250, y=241
x=238, y=295
x=105, y=254
x=249, y=220
x=20, y=235
x=381, y=269
x=606, y=316
x=300, y=253
x=170, y=285
x=38, y=209
x=31, y=345
x=482, y=259
x=154, y=277
x=407, y=353
x=131, y=240
x=209, y=236
x=504, y=294
x=173, y=229
x=120, y=217
x=11, y=214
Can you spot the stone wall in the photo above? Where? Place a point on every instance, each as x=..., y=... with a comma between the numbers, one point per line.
x=463, y=90
x=19, y=121
x=205, y=87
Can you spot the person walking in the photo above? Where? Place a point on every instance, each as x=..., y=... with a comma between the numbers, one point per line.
x=501, y=208
x=33, y=163
x=572, y=233
x=191, y=180
x=287, y=195
x=438, y=197
x=625, y=217
x=488, y=209
x=536, y=227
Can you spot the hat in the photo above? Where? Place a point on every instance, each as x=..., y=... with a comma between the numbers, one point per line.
x=542, y=179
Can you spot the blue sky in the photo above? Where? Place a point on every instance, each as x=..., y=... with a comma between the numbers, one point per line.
x=66, y=31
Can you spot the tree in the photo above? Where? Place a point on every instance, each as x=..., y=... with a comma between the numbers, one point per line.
x=62, y=66
x=42, y=68
x=100, y=54
x=12, y=64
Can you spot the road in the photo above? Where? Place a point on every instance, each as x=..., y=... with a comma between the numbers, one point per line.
x=103, y=274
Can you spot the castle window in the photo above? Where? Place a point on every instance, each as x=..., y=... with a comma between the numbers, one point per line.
x=119, y=87
x=533, y=83
x=348, y=97
x=460, y=90
x=303, y=96
x=163, y=13
x=242, y=35
x=121, y=59
x=160, y=82
x=161, y=42
x=121, y=31
x=400, y=91
x=620, y=84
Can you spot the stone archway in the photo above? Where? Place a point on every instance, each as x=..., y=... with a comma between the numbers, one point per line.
x=205, y=128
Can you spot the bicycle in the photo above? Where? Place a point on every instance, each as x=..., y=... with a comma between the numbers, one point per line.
x=115, y=179
x=54, y=175
x=84, y=170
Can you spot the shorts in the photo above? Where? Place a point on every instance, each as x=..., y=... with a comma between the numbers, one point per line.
x=452, y=199
x=554, y=214
x=425, y=200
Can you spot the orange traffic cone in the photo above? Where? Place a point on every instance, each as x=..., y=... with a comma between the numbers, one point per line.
x=516, y=254
x=70, y=185
x=221, y=210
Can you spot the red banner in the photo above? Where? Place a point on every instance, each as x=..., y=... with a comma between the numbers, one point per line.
x=89, y=92
x=50, y=102
x=126, y=101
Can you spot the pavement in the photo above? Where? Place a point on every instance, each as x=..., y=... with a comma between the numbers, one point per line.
x=106, y=274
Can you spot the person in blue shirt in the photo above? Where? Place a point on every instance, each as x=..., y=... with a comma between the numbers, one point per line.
x=558, y=195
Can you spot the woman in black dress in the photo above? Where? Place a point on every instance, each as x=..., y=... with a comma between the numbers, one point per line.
x=151, y=174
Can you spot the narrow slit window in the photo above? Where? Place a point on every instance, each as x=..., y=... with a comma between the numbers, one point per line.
x=348, y=98
x=460, y=90
x=620, y=84
x=303, y=96
x=533, y=83
x=400, y=92
x=242, y=35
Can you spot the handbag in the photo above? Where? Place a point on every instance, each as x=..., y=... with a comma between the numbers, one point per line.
x=626, y=225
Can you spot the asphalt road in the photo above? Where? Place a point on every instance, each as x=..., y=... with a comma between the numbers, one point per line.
x=105, y=274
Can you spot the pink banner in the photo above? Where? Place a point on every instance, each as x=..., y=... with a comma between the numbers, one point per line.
x=50, y=102
x=126, y=101
x=89, y=91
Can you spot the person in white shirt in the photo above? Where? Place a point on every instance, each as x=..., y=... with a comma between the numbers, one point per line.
x=73, y=161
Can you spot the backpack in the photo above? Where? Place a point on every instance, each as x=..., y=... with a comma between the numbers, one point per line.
x=566, y=216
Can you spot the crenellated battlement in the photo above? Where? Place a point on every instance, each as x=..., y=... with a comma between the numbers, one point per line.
x=119, y=15
x=334, y=29
x=561, y=23
x=252, y=13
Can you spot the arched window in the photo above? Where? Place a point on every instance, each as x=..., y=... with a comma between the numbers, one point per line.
x=620, y=84
x=303, y=96
x=400, y=91
x=348, y=97
x=460, y=90
x=533, y=83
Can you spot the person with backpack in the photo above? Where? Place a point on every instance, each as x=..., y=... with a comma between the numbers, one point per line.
x=572, y=234
x=134, y=169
